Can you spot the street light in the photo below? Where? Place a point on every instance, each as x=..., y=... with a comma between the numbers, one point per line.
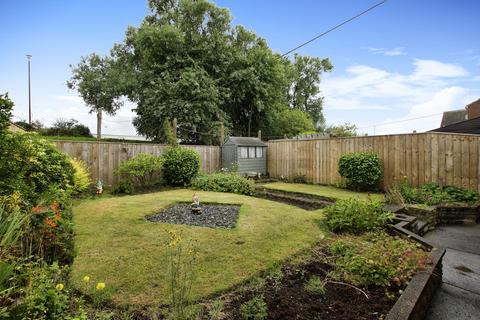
x=29, y=57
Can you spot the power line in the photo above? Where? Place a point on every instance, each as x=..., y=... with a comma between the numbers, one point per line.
x=335, y=27
x=400, y=121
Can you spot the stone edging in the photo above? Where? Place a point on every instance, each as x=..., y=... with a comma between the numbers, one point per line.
x=413, y=303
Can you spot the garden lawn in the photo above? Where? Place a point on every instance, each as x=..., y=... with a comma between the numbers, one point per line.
x=116, y=245
x=319, y=190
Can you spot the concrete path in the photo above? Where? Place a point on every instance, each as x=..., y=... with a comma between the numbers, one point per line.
x=458, y=298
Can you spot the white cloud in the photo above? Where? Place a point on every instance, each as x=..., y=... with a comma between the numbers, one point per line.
x=430, y=69
x=398, y=51
x=381, y=97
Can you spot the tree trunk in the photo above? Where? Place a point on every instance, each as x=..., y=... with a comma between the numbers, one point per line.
x=99, y=124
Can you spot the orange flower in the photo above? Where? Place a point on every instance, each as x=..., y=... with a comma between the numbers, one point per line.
x=50, y=223
x=54, y=207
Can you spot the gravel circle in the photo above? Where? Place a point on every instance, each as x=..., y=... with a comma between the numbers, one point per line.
x=213, y=215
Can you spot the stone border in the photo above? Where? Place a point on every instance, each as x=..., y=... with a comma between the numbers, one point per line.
x=415, y=300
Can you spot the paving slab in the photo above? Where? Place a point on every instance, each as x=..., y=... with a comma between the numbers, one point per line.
x=452, y=303
x=458, y=298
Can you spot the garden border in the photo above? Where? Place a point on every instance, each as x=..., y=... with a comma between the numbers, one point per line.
x=415, y=300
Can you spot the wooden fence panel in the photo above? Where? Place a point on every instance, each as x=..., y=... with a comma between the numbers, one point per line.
x=444, y=158
x=104, y=158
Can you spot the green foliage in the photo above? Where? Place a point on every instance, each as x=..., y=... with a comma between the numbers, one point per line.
x=315, y=286
x=6, y=106
x=377, y=259
x=304, y=91
x=123, y=187
x=341, y=130
x=46, y=296
x=142, y=170
x=356, y=215
x=216, y=310
x=224, y=182
x=187, y=61
x=362, y=170
x=254, y=309
x=32, y=166
x=292, y=122
x=168, y=133
x=434, y=194
x=81, y=177
x=63, y=127
x=180, y=166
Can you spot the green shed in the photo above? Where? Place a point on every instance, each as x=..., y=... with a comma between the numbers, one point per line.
x=250, y=154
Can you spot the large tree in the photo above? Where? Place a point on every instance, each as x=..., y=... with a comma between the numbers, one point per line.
x=187, y=62
x=304, y=91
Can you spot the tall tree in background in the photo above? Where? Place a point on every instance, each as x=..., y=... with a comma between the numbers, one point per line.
x=98, y=83
x=186, y=62
x=304, y=91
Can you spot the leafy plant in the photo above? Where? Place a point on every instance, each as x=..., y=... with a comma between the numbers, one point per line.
x=142, y=170
x=224, y=182
x=315, y=286
x=254, y=309
x=216, y=310
x=354, y=215
x=361, y=170
x=81, y=177
x=123, y=187
x=376, y=258
x=434, y=194
x=180, y=165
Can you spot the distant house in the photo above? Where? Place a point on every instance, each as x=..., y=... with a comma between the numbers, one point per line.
x=246, y=153
x=465, y=120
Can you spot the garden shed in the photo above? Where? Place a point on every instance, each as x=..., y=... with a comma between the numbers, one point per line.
x=250, y=154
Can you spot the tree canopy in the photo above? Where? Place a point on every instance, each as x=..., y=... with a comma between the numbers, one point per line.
x=187, y=62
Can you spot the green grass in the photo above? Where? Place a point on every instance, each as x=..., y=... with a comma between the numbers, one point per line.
x=117, y=246
x=319, y=190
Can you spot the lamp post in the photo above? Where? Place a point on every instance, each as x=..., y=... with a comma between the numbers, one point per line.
x=29, y=57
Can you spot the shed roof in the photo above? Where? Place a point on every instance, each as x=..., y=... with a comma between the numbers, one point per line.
x=471, y=126
x=246, y=141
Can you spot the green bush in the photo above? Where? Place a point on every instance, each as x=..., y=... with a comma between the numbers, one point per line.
x=361, y=170
x=32, y=166
x=224, y=182
x=377, y=259
x=180, y=166
x=123, y=187
x=254, y=309
x=356, y=215
x=81, y=177
x=142, y=170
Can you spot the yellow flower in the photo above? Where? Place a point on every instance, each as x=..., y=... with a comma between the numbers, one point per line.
x=100, y=286
x=86, y=279
x=59, y=287
x=174, y=239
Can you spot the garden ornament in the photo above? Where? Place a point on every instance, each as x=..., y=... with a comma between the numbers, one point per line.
x=196, y=209
x=99, y=187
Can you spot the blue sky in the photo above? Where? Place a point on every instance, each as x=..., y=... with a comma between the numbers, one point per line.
x=406, y=59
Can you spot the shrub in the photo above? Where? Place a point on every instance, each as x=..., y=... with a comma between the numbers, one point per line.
x=123, y=187
x=142, y=170
x=81, y=177
x=32, y=166
x=376, y=258
x=254, y=309
x=356, y=215
x=180, y=165
x=361, y=170
x=224, y=182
